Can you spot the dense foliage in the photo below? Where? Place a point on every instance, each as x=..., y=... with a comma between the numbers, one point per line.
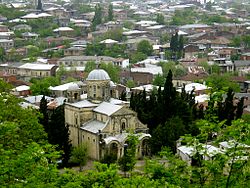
x=170, y=114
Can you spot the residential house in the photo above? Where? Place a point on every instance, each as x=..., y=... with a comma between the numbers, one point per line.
x=143, y=74
x=74, y=51
x=82, y=60
x=64, y=31
x=58, y=12
x=36, y=70
x=157, y=30
x=23, y=27
x=4, y=28
x=192, y=50
x=120, y=14
x=22, y=90
x=188, y=79
x=245, y=56
x=195, y=28
x=242, y=67
x=6, y=44
x=224, y=64
x=186, y=153
x=132, y=43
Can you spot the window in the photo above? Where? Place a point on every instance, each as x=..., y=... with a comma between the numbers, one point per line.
x=123, y=126
x=94, y=89
x=93, y=140
x=75, y=95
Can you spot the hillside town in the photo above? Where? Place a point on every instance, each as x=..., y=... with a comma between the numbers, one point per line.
x=147, y=93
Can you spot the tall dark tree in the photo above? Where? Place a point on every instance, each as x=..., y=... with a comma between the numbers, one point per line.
x=44, y=120
x=160, y=19
x=98, y=17
x=145, y=47
x=123, y=96
x=58, y=133
x=39, y=5
x=240, y=107
x=110, y=13
x=174, y=42
x=166, y=134
x=180, y=43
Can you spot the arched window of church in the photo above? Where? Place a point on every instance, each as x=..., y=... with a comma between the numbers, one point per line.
x=123, y=126
x=75, y=95
x=103, y=91
x=94, y=89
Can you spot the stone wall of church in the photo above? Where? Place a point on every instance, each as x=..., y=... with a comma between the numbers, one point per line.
x=75, y=117
x=98, y=90
x=126, y=123
x=92, y=142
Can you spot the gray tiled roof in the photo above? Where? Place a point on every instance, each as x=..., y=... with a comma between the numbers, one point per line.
x=93, y=126
x=107, y=108
x=241, y=63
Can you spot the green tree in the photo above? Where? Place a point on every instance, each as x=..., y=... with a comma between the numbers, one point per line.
x=80, y=155
x=159, y=80
x=130, y=84
x=167, y=134
x=44, y=120
x=41, y=86
x=4, y=87
x=39, y=5
x=2, y=54
x=98, y=17
x=112, y=70
x=110, y=13
x=160, y=19
x=90, y=65
x=137, y=56
x=58, y=133
x=145, y=47
x=222, y=83
x=128, y=161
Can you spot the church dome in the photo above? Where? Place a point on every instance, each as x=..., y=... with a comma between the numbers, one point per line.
x=98, y=74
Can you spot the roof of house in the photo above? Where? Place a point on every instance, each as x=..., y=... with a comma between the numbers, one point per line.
x=64, y=87
x=36, y=66
x=63, y=29
x=87, y=58
x=109, y=41
x=241, y=63
x=152, y=70
x=21, y=88
x=107, y=108
x=36, y=99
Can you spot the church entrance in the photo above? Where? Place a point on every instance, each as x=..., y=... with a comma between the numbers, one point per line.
x=145, y=148
x=113, y=150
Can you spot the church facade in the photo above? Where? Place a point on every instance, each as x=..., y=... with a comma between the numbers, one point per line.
x=101, y=122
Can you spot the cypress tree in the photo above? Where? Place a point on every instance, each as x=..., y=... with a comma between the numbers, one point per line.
x=229, y=107
x=240, y=107
x=98, y=17
x=59, y=133
x=39, y=5
x=44, y=120
x=110, y=13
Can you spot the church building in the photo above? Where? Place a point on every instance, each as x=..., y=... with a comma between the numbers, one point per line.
x=102, y=122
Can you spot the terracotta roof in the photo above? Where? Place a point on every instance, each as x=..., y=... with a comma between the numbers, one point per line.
x=192, y=77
